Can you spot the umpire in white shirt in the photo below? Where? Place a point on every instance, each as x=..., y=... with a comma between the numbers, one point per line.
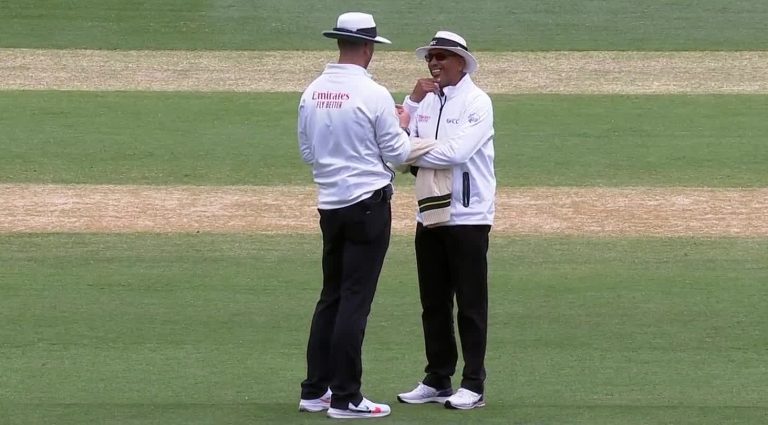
x=348, y=129
x=452, y=257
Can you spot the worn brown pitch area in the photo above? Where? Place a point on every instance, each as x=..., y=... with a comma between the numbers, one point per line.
x=291, y=71
x=578, y=211
x=280, y=209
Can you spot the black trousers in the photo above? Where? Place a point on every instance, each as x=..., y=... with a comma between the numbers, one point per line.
x=355, y=241
x=452, y=262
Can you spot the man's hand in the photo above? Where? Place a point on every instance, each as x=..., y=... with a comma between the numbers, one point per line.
x=403, y=116
x=424, y=86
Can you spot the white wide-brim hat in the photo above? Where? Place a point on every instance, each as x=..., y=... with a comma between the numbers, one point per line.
x=453, y=42
x=356, y=26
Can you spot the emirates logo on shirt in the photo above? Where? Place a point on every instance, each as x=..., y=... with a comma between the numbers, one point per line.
x=329, y=99
x=422, y=118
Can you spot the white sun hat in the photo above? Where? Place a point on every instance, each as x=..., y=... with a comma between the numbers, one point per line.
x=356, y=26
x=453, y=42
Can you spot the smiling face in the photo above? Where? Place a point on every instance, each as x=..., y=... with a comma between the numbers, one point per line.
x=445, y=66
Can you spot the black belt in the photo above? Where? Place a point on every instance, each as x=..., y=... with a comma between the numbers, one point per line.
x=383, y=194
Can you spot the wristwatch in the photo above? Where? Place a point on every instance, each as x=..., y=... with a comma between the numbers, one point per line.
x=406, y=130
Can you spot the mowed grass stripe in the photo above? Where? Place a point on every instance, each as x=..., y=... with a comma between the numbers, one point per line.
x=291, y=71
x=281, y=209
x=514, y=25
x=211, y=329
x=212, y=139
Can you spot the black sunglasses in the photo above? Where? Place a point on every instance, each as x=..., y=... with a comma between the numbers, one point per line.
x=438, y=56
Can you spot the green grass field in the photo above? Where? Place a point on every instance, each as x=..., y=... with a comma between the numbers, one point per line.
x=233, y=139
x=488, y=24
x=139, y=329
x=204, y=329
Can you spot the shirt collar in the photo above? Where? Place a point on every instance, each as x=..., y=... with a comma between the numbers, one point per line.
x=451, y=91
x=346, y=69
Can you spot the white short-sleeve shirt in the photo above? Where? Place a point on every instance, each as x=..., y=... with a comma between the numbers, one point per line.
x=348, y=129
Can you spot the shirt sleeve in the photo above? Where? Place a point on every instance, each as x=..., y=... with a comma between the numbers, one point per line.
x=393, y=142
x=305, y=142
x=476, y=127
x=411, y=107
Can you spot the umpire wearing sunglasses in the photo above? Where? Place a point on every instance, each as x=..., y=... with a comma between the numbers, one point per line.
x=451, y=257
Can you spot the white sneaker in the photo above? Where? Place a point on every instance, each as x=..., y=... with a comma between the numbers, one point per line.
x=425, y=394
x=316, y=405
x=366, y=409
x=465, y=399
